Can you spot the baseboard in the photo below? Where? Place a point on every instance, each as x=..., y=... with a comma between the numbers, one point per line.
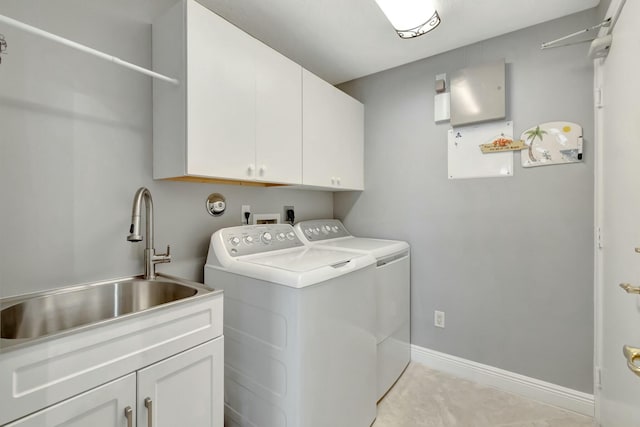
x=552, y=394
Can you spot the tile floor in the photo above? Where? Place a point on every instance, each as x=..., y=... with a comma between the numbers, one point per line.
x=426, y=398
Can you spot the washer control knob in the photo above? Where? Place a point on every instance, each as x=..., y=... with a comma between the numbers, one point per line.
x=235, y=241
x=291, y=235
x=266, y=237
x=326, y=229
x=280, y=236
x=308, y=232
x=335, y=228
x=248, y=240
x=316, y=231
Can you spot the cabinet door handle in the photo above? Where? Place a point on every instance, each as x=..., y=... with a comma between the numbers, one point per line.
x=128, y=412
x=250, y=169
x=632, y=354
x=263, y=169
x=148, y=403
x=630, y=289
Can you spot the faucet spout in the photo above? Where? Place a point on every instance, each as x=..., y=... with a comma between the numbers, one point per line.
x=150, y=256
x=134, y=230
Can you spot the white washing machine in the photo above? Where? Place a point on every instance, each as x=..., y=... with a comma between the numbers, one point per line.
x=299, y=326
x=392, y=281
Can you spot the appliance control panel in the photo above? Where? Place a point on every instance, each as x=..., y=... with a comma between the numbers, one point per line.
x=253, y=239
x=322, y=229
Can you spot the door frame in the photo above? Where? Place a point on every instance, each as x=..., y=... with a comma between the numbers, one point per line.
x=614, y=10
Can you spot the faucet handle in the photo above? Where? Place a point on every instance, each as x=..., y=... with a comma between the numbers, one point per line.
x=162, y=258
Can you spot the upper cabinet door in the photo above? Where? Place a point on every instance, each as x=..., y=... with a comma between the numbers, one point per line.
x=220, y=97
x=333, y=136
x=278, y=117
x=349, y=120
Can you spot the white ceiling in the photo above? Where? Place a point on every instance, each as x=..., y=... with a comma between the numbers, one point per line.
x=341, y=40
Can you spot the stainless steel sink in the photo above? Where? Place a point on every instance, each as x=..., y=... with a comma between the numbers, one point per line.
x=61, y=310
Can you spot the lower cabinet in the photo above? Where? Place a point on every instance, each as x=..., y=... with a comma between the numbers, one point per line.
x=102, y=406
x=183, y=390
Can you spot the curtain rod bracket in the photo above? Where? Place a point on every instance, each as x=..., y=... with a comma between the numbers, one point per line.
x=551, y=44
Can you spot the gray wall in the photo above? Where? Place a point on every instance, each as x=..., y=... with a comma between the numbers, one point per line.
x=76, y=143
x=602, y=8
x=509, y=260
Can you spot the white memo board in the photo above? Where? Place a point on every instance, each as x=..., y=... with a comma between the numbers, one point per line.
x=466, y=160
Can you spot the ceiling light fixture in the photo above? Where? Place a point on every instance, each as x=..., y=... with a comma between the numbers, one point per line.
x=410, y=18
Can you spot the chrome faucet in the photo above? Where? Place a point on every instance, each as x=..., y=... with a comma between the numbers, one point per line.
x=150, y=257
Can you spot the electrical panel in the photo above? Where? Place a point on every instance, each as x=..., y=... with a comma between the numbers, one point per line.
x=478, y=94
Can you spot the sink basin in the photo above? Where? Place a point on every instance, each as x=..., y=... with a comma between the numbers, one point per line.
x=79, y=306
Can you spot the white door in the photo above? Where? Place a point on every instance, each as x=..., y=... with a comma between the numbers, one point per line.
x=618, y=400
x=110, y=405
x=184, y=390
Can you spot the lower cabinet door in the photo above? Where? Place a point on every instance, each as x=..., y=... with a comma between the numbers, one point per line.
x=184, y=390
x=110, y=405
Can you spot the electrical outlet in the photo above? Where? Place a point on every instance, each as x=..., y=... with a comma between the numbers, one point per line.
x=438, y=318
x=243, y=219
x=285, y=218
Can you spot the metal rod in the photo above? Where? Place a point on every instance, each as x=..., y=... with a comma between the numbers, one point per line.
x=83, y=48
x=604, y=23
x=555, y=46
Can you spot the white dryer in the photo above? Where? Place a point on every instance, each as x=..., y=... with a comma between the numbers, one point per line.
x=392, y=281
x=299, y=325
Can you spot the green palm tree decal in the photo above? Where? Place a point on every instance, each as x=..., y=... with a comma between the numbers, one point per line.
x=531, y=136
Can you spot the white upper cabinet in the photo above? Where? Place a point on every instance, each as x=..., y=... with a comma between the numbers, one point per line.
x=333, y=136
x=245, y=113
x=237, y=111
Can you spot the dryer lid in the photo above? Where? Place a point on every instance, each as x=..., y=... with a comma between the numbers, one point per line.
x=376, y=247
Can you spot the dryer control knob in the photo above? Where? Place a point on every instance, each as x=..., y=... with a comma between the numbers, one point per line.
x=266, y=238
x=248, y=240
x=291, y=235
x=280, y=236
x=235, y=241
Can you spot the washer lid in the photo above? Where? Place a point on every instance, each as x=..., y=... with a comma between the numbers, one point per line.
x=298, y=267
x=376, y=247
x=300, y=260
